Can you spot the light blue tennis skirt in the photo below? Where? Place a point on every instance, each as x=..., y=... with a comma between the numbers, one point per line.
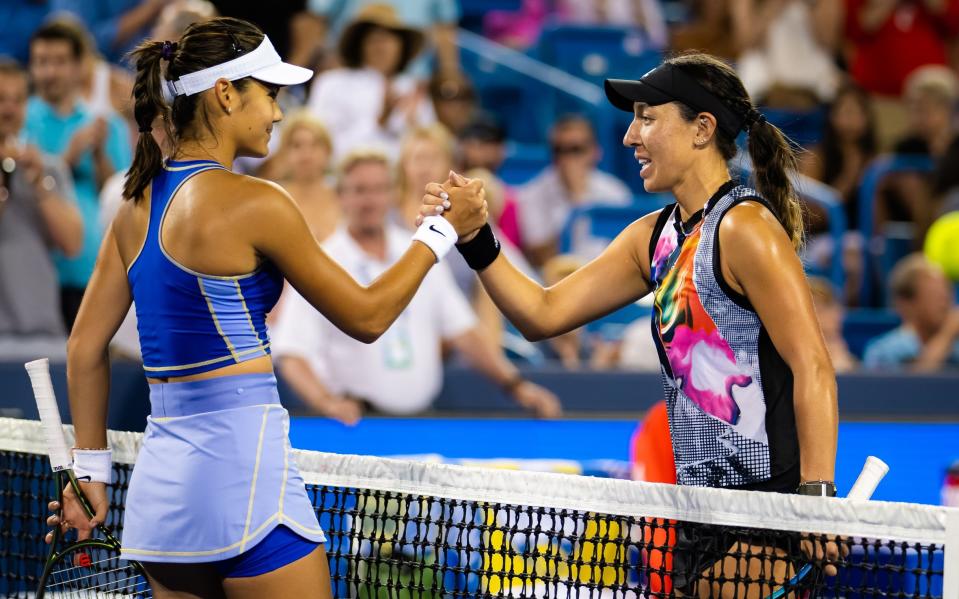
x=215, y=473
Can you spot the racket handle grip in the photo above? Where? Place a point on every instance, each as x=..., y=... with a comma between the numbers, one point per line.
x=59, y=452
x=873, y=472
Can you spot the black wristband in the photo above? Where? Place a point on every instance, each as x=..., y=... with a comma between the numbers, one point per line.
x=480, y=251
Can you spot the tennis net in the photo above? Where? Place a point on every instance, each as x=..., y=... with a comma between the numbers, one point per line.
x=400, y=529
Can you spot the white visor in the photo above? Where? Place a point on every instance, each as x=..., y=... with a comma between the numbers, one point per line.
x=263, y=64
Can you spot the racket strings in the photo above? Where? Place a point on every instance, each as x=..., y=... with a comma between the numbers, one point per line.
x=121, y=579
x=109, y=560
x=144, y=593
x=98, y=575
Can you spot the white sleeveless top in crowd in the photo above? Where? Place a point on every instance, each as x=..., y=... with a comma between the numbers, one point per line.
x=791, y=56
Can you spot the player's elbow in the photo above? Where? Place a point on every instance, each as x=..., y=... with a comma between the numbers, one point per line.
x=534, y=331
x=83, y=353
x=815, y=368
x=372, y=329
x=366, y=331
x=534, y=335
x=820, y=366
x=368, y=337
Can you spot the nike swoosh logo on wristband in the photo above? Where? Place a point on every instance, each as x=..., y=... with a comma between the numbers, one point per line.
x=435, y=230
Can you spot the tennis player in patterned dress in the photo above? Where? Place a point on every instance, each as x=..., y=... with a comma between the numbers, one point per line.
x=216, y=506
x=750, y=389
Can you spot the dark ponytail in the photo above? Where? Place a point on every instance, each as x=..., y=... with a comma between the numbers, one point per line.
x=203, y=44
x=148, y=104
x=774, y=160
x=771, y=152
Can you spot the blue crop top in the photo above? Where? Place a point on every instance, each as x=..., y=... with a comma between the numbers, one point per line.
x=190, y=322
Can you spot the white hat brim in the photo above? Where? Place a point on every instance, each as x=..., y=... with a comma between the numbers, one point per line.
x=283, y=73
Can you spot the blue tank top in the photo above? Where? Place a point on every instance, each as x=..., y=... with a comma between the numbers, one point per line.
x=729, y=393
x=190, y=322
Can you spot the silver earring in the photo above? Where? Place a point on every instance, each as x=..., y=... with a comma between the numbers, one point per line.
x=229, y=110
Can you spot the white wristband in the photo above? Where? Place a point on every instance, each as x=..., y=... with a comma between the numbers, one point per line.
x=438, y=234
x=93, y=465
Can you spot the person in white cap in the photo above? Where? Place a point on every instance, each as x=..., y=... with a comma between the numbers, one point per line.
x=216, y=506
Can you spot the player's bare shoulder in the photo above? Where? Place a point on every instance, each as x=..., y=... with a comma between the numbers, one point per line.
x=259, y=208
x=129, y=226
x=239, y=197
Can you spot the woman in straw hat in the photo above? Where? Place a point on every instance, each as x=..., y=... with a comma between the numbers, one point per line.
x=369, y=102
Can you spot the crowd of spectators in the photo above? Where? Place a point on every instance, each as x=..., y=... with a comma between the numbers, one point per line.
x=392, y=107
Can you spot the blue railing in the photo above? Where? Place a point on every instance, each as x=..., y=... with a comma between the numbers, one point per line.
x=872, y=178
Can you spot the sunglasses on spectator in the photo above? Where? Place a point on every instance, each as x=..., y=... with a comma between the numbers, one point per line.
x=570, y=149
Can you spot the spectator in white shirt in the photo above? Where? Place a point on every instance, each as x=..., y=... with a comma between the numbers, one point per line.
x=370, y=102
x=572, y=180
x=401, y=372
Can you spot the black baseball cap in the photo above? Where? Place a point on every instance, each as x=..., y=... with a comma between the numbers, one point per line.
x=668, y=83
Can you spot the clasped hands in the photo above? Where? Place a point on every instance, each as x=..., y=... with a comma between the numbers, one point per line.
x=460, y=200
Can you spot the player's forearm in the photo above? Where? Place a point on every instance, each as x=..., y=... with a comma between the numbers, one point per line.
x=522, y=300
x=817, y=419
x=391, y=292
x=88, y=386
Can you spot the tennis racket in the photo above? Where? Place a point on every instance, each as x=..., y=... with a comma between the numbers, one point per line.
x=92, y=567
x=867, y=481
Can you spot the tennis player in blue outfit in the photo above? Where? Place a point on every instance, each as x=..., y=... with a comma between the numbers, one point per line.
x=216, y=506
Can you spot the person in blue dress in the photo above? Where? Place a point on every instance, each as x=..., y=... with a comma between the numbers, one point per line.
x=216, y=506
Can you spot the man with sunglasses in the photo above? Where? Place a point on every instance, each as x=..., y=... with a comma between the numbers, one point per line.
x=571, y=180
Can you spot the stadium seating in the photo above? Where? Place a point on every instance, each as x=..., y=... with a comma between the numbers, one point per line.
x=863, y=324
x=803, y=127
x=595, y=53
x=881, y=253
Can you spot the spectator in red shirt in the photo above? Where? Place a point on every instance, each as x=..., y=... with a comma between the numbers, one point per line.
x=892, y=38
x=888, y=40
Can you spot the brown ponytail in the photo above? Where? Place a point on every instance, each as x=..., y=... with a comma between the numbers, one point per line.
x=203, y=44
x=770, y=150
x=773, y=160
x=148, y=103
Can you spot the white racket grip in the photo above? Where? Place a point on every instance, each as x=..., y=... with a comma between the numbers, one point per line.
x=873, y=472
x=39, y=371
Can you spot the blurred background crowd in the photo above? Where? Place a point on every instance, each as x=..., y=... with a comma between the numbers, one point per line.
x=509, y=91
